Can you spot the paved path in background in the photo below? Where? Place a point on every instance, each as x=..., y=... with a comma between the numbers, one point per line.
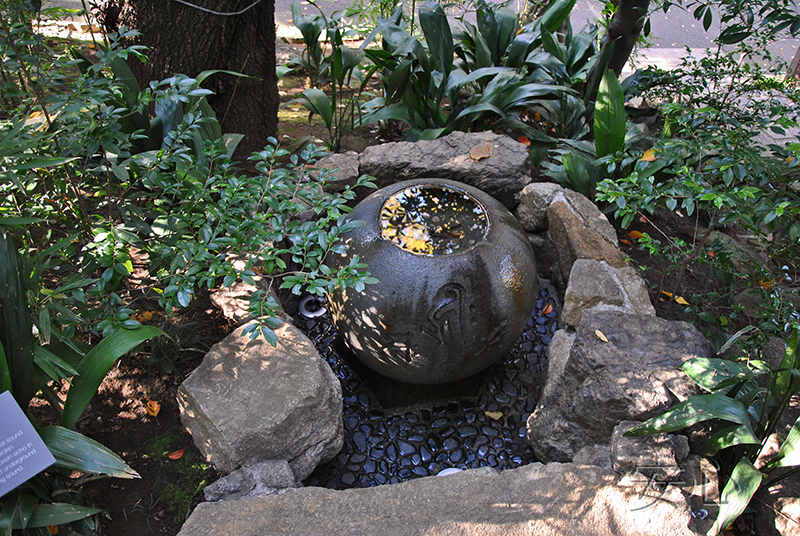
x=671, y=31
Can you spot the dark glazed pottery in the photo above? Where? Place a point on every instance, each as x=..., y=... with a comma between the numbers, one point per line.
x=457, y=276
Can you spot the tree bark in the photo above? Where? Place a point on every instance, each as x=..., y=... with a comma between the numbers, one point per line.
x=624, y=30
x=188, y=40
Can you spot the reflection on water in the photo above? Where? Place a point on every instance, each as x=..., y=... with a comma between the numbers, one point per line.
x=433, y=220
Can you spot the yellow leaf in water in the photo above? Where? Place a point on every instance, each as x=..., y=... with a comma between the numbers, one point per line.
x=601, y=335
x=153, y=407
x=481, y=151
x=494, y=415
x=649, y=155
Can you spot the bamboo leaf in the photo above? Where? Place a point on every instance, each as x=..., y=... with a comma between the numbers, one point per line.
x=736, y=495
x=95, y=365
x=76, y=451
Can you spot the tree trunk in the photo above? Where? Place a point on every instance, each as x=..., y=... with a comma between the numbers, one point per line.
x=624, y=30
x=188, y=40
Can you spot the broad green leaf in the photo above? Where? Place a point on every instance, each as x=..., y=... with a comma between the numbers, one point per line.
x=439, y=38
x=76, y=451
x=95, y=365
x=609, y=116
x=5, y=372
x=693, y=410
x=728, y=437
x=709, y=373
x=46, y=515
x=317, y=102
x=51, y=364
x=736, y=495
x=555, y=15
x=789, y=454
x=10, y=502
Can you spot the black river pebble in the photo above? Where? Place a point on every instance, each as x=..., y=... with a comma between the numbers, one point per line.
x=382, y=447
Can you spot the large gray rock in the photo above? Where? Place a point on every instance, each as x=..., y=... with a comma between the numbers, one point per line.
x=249, y=402
x=534, y=500
x=578, y=230
x=596, y=285
x=344, y=170
x=502, y=175
x=593, y=385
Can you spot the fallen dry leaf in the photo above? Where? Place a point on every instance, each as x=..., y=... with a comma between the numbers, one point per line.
x=481, y=151
x=525, y=141
x=153, y=407
x=547, y=309
x=678, y=299
x=53, y=529
x=601, y=335
x=636, y=235
x=649, y=155
x=494, y=415
x=627, y=242
x=176, y=455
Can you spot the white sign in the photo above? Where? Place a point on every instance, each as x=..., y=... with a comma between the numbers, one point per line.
x=23, y=454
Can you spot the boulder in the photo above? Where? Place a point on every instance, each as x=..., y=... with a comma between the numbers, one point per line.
x=540, y=500
x=533, y=202
x=578, y=230
x=250, y=402
x=502, y=174
x=263, y=478
x=596, y=285
x=593, y=385
x=234, y=301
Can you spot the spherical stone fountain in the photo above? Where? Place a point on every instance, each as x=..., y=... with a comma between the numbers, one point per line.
x=457, y=276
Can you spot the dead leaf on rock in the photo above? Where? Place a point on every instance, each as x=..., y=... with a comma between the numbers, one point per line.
x=481, y=151
x=547, y=309
x=600, y=335
x=494, y=415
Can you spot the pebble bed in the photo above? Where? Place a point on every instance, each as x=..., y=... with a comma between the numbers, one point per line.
x=487, y=429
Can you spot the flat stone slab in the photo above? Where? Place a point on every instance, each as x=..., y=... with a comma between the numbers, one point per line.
x=541, y=500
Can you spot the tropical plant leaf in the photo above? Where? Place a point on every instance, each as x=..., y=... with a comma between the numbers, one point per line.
x=438, y=36
x=15, y=322
x=710, y=373
x=609, y=116
x=693, y=410
x=740, y=488
x=789, y=453
x=728, y=437
x=48, y=515
x=555, y=15
x=317, y=102
x=76, y=451
x=95, y=365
